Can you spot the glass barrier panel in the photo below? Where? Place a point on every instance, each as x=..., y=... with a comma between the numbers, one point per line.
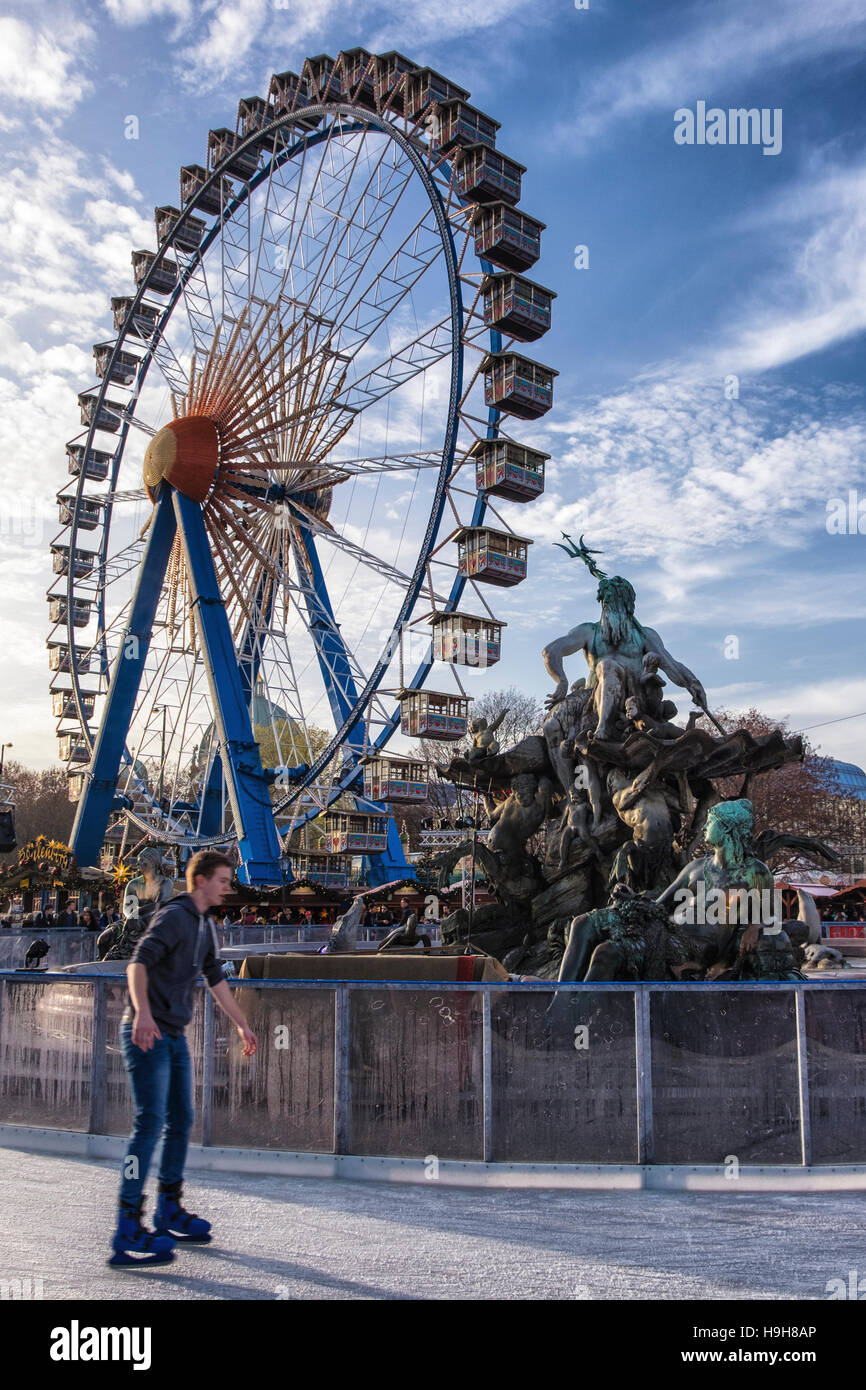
x=724, y=1067
x=118, y=1096
x=13, y=949
x=64, y=948
x=283, y=1096
x=274, y=935
x=836, y=1053
x=415, y=1073
x=564, y=1076
x=45, y=1054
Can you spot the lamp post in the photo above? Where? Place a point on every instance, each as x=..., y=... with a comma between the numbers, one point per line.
x=3, y=747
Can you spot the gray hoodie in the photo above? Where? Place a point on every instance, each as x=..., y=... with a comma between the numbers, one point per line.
x=179, y=945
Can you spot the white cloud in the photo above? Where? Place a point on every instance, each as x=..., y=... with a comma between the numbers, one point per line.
x=42, y=65
x=441, y=20
x=67, y=242
x=817, y=295
x=130, y=12
x=809, y=290
x=821, y=703
x=232, y=30
x=67, y=245
x=235, y=36
x=675, y=454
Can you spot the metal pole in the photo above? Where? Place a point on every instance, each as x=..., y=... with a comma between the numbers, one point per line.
x=803, y=1079
x=162, y=759
x=2, y=1002
x=341, y=1070
x=472, y=862
x=486, y=1077
x=94, y=806
x=98, y=1059
x=643, y=1074
x=258, y=842
x=207, y=1069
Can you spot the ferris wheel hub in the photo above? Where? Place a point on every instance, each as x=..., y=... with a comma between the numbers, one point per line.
x=185, y=453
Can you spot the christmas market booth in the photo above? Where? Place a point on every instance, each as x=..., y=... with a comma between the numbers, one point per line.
x=44, y=878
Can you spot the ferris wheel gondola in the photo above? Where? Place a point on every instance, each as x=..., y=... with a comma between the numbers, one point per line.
x=330, y=313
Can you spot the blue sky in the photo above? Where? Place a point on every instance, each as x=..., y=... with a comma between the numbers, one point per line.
x=705, y=263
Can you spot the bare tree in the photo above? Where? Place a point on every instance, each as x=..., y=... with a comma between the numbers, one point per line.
x=804, y=798
x=525, y=713
x=42, y=805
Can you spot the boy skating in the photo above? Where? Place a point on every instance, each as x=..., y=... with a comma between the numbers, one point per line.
x=179, y=945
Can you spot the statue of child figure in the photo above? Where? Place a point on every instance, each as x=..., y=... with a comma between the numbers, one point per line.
x=485, y=744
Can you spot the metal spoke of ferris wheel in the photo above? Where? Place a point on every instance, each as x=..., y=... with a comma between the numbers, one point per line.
x=307, y=256
x=253, y=626
x=320, y=471
x=299, y=591
x=358, y=552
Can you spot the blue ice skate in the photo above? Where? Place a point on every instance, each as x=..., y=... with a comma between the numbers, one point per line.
x=133, y=1244
x=170, y=1218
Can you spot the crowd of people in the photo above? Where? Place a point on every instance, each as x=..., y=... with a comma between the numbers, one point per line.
x=264, y=915
x=67, y=919
x=383, y=918
x=256, y=915
x=275, y=917
x=850, y=913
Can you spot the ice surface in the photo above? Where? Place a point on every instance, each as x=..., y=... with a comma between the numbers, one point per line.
x=296, y=1238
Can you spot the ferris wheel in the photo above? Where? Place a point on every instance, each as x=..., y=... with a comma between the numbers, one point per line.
x=289, y=468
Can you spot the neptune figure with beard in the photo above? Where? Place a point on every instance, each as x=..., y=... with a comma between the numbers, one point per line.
x=615, y=648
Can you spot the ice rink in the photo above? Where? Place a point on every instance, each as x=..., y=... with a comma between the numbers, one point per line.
x=305, y=1238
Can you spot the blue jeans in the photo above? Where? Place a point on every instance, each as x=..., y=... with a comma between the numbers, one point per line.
x=161, y=1081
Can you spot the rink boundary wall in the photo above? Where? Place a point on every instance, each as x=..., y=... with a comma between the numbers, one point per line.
x=453, y=1173
x=485, y=1170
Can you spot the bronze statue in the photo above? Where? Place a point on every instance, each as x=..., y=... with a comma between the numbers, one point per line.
x=143, y=895
x=616, y=792
x=514, y=873
x=344, y=933
x=405, y=936
x=727, y=896
x=615, y=648
x=484, y=741
x=630, y=939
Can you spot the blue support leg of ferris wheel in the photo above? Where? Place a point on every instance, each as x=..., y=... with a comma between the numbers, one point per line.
x=343, y=696
x=211, y=807
x=258, y=841
x=392, y=865
x=330, y=649
x=249, y=660
x=91, y=817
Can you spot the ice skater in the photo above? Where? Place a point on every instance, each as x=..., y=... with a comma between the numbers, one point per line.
x=179, y=945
